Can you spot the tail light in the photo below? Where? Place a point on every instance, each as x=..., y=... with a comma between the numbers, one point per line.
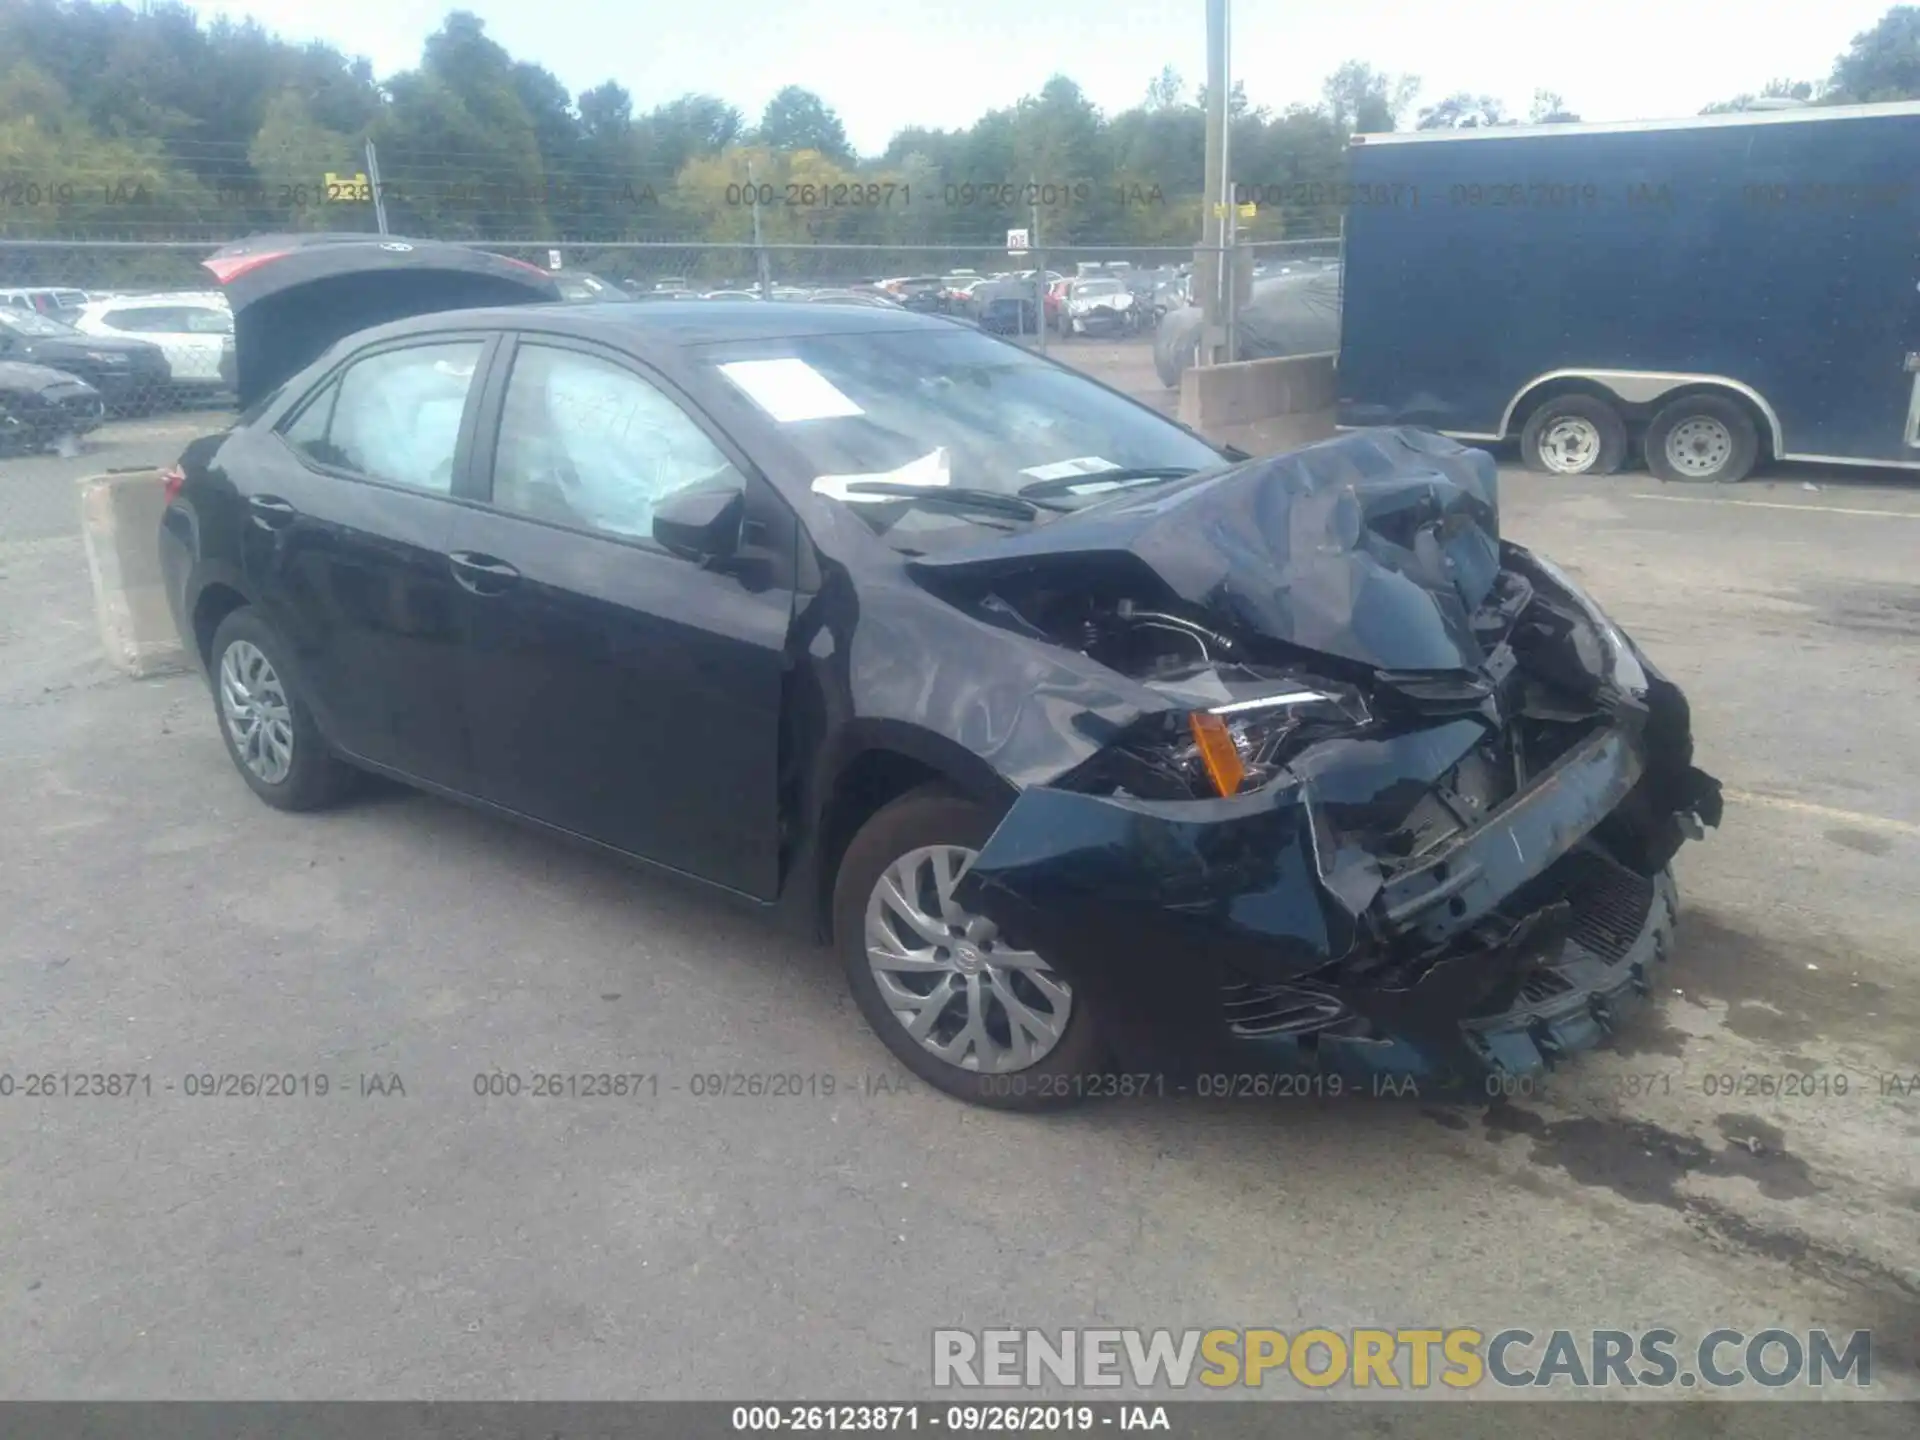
x=227, y=269
x=171, y=481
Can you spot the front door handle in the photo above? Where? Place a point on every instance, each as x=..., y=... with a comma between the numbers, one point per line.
x=482, y=574
x=270, y=512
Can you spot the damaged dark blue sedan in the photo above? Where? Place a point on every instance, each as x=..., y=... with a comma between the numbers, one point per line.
x=1095, y=750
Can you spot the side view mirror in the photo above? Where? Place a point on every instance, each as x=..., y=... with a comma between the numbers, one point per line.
x=700, y=524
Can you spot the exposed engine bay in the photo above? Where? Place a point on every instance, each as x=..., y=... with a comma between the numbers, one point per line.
x=1534, y=701
x=1405, y=782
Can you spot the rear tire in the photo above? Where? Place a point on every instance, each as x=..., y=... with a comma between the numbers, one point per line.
x=1702, y=440
x=1574, y=435
x=1006, y=1068
x=264, y=720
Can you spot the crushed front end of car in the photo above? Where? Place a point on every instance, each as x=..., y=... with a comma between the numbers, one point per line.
x=1407, y=810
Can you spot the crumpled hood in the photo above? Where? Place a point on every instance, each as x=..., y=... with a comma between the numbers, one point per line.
x=1375, y=547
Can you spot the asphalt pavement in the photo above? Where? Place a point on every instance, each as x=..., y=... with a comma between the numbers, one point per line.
x=405, y=1235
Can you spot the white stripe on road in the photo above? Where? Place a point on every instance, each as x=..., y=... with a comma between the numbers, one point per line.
x=1822, y=812
x=1774, y=505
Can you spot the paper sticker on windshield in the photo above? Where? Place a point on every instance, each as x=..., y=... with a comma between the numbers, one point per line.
x=789, y=390
x=1060, y=469
x=931, y=470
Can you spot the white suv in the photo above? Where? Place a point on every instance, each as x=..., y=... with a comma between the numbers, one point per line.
x=193, y=328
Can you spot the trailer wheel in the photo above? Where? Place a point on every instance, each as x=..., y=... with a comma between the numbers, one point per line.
x=1703, y=439
x=1574, y=435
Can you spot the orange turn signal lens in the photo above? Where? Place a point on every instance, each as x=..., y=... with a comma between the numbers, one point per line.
x=1218, y=752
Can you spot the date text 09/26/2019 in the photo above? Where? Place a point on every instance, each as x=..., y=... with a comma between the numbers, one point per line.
x=965, y=195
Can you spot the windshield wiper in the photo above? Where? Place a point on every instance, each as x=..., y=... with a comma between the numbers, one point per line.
x=958, y=497
x=1066, y=484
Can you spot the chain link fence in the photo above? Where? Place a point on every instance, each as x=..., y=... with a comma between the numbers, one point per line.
x=132, y=327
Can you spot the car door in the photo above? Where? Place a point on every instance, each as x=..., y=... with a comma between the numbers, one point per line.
x=350, y=510
x=614, y=689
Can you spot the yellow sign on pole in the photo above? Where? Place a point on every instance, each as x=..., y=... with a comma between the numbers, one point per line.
x=346, y=187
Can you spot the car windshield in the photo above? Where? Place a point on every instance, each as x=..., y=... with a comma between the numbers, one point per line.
x=952, y=407
x=26, y=322
x=1098, y=287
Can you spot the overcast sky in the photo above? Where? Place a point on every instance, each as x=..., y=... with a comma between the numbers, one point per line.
x=886, y=64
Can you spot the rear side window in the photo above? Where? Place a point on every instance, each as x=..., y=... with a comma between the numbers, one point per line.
x=148, y=319
x=394, y=416
x=205, y=320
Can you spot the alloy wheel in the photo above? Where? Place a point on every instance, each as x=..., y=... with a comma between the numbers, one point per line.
x=259, y=718
x=949, y=979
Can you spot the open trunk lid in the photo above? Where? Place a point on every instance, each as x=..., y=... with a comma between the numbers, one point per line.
x=293, y=296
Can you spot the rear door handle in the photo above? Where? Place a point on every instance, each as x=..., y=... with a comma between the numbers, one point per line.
x=482, y=574
x=270, y=512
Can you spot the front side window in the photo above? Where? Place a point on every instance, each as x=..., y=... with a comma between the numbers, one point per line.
x=587, y=442
x=394, y=416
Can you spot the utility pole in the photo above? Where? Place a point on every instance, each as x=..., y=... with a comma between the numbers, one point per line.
x=373, y=179
x=761, y=271
x=1210, y=270
x=1039, y=275
x=1229, y=221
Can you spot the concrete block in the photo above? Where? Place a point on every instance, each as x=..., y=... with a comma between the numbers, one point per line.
x=1277, y=433
x=120, y=520
x=1263, y=406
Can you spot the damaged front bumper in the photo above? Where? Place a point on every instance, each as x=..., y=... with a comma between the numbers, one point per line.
x=1240, y=936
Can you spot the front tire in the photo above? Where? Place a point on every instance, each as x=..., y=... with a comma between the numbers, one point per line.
x=264, y=720
x=956, y=1004
x=1574, y=435
x=1702, y=440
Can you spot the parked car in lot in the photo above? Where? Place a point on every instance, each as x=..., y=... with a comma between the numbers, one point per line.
x=853, y=297
x=191, y=329
x=1086, y=743
x=39, y=406
x=924, y=293
x=58, y=302
x=581, y=287
x=131, y=376
x=1101, y=306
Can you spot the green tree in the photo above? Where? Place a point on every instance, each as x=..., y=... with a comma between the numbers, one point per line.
x=1463, y=111
x=1364, y=101
x=1166, y=90
x=1882, y=63
x=1550, y=109
x=798, y=119
x=458, y=150
x=1772, y=90
x=292, y=153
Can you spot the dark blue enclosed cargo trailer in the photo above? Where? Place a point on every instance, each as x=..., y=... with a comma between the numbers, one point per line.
x=1706, y=294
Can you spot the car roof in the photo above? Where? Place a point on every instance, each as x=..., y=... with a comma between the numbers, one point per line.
x=671, y=324
x=212, y=299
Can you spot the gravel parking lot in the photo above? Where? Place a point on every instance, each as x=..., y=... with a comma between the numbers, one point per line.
x=389, y=1245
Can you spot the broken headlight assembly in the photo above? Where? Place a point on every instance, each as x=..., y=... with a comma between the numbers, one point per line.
x=1221, y=750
